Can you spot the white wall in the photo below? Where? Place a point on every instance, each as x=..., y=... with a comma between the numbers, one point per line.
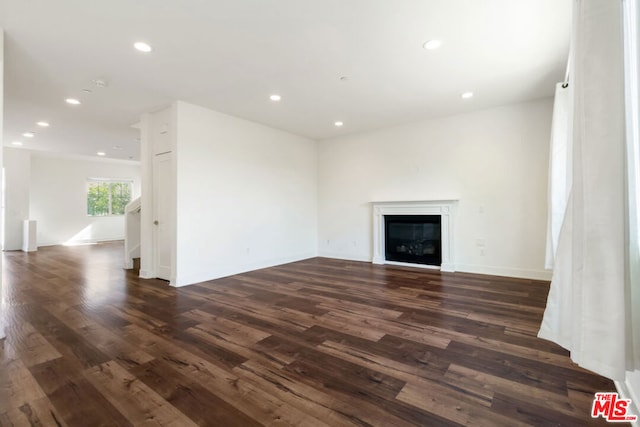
x=17, y=169
x=494, y=161
x=157, y=133
x=246, y=195
x=58, y=198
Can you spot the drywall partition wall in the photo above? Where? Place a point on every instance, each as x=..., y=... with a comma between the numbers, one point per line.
x=58, y=198
x=246, y=195
x=157, y=134
x=17, y=173
x=493, y=161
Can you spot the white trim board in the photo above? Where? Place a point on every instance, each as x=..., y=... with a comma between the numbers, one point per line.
x=519, y=273
x=344, y=256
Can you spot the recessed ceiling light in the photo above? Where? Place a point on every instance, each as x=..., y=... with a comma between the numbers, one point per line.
x=17, y=143
x=467, y=95
x=432, y=44
x=101, y=153
x=275, y=97
x=72, y=101
x=28, y=134
x=43, y=124
x=143, y=47
x=338, y=124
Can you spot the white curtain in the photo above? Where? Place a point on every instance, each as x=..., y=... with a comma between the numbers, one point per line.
x=632, y=103
x=592, y=308
x=559, y=168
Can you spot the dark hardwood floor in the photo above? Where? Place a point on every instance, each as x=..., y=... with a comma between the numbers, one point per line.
x=317, y=342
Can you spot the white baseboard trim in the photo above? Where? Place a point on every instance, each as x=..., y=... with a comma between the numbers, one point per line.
x=144, y=274
x=461, y=268
x=520, y=273
x=345, y=257
x=82, y=242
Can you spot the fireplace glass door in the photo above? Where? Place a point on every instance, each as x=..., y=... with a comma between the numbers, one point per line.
x=413, y=239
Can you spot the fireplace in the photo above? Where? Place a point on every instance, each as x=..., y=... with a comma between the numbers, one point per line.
x=416, y=242
x=413, y=239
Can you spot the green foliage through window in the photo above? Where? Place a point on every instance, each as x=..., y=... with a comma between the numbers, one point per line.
x=107, y=197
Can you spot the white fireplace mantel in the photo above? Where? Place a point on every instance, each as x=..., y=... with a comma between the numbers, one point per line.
x=444, y=208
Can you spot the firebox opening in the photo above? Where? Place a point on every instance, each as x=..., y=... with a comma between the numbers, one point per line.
x=413, y=239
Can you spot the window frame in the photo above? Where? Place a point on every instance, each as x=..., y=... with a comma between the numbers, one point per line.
x=110, y=182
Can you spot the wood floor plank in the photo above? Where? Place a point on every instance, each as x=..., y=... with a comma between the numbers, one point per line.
x=455, y=410
x=470, y=379
x=135, y=400
x=356, y=388
x=227, y=329
x=319, y=342
x=221, y=382
x=39, y=412
x=17, y=386
x=76, y=401
x=31, y=345
x=203, y=407
x=433, y=381
x=248, y=352
x=102, y=338
x=331, y=408
x=358, y=309
x=384, y=327
x=281, y=318
x=64, y=339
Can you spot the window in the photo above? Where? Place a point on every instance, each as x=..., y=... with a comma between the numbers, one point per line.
x=106, y=197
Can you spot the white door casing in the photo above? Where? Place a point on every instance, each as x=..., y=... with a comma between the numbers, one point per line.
x=162, y=231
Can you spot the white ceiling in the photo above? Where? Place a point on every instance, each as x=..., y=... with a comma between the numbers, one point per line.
x=231, y=55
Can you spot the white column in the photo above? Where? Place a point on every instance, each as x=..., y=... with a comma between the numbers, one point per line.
x=29, y=236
